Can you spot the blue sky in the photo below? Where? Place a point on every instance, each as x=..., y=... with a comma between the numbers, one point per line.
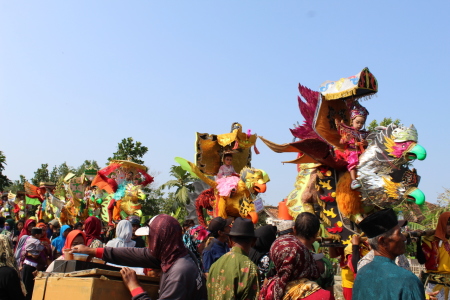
x=76, y=77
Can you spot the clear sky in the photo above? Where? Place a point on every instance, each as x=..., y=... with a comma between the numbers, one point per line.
x=76, y=77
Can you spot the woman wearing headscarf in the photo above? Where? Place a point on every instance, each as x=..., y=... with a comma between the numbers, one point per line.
x=259, y=254
x=11, y=287
x=295, y=268
x=195, y=238
x=58, y=243
x=74, y=238
x=9, y=229
x=26, y=230
x=124, y=232
x=47, y=256
x=181, y=278
x=93, y=229
x=434, y=252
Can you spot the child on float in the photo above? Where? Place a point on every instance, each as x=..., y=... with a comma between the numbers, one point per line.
x=354, y=139
x=227, y=178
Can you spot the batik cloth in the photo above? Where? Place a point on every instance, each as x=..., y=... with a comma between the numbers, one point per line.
x=382, y=279
x=7, y=259
x=233, y=276
x=300, y=289
x=293, y=261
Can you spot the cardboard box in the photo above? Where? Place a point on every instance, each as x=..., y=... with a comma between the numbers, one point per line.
x=88, y=288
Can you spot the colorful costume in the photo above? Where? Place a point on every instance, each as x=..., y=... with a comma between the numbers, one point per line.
x=227, y=180
x=436, y=250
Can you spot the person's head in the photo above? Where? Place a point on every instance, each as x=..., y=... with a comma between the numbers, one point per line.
x=307, y=226
x=228, y=159
x=358, y=122
x=36, y=232
x=135, y=224
x=188, y=224
x=285, y=227
x=443, y=226
x=292, y=261
x=78, y=226
x=220, y=228
x=265, y=235
x=242, y=234
x=129, y=176
x=195, y=238
x=9, y=224
x=29, y=224
x=384, y=233
x=165, y=242
x=2, y=221
x=75, y=238
x=20, y=224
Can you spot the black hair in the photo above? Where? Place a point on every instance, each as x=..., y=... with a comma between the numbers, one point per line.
x=307, y=225
x=227, y=155
x=242, y=240
x=2, y=221
x=188, y=223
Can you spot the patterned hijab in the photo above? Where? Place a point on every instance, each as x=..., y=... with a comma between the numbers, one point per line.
x=92, y=228
x=441, y=228
x=292, y=261
x=7, y=258
x=165, y=241
x=193, y=237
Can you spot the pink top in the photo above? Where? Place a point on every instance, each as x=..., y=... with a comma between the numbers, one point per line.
x=225, y=171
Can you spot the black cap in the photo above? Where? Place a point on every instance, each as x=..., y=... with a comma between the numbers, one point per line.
x=242, y=227
x=219, y=223
x=380, y=222
x=135, y=222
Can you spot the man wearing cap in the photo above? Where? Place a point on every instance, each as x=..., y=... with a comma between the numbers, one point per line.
x=219, y=228
x=382, y=278
x=234, y=275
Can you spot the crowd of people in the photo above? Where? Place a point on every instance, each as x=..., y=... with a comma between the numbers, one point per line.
x=230, y=259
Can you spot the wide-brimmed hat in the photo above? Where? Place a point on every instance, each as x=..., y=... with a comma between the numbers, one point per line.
x=242, y=227
x=219, y=223
x=380, y=222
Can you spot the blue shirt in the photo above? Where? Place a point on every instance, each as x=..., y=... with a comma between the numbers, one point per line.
x=213, y=252
x=383, y=279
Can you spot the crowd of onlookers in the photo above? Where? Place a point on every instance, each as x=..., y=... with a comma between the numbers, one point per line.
x=229, y=259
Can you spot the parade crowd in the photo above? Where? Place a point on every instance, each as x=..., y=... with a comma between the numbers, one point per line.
x=230, y=259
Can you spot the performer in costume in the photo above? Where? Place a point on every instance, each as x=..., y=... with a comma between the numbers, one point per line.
x=227, y=178
x=354, y=139
x=434, y=252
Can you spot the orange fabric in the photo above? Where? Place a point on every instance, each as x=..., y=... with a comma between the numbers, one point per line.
x=348, y=200
x=71, y=236
x=441, y=228
x=44, y=237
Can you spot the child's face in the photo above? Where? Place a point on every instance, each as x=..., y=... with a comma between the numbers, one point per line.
x=358, y=122
x=228, y=160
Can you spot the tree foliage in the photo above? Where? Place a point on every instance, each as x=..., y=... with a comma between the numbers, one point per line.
x=17, y=185
x=182, y=183
x=41, y=175
x=4, y=180
x=129, y=149
x=384, y=122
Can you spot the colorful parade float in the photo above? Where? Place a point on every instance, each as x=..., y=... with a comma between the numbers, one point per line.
x=223, y=162
x=345, y=172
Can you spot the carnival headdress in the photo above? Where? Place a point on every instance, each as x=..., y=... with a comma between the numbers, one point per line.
x=358, y=111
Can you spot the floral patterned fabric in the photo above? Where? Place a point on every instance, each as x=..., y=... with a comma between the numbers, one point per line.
x=193, y=237
x=292, y=261
x=233, y=267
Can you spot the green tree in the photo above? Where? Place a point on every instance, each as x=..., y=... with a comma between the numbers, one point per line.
x=41, y=174
x=384, y=122
x=128, y=149
x=182, y=183
x=17, y=185
x=4, y=180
